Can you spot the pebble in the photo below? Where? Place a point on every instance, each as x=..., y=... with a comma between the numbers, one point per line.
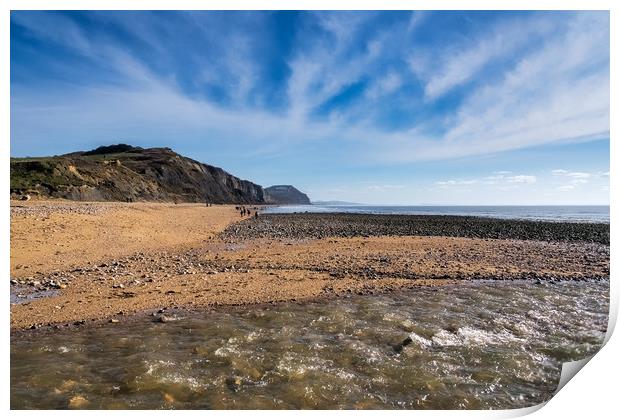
x=78, y=402
x=233, y=383
x=43, y=210
x=399, y=347
x=169, y=399
x=164, y=319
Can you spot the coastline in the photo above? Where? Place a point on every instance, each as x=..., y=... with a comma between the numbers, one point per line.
x=105, y=261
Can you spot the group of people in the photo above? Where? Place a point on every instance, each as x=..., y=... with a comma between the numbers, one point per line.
x=245, y=212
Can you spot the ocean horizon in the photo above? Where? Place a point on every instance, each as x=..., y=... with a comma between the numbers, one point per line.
x=567, y=213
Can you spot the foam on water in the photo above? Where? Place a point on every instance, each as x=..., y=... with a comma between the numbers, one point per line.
x=420, y=340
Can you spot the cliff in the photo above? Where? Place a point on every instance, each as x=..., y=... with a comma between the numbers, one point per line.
x=285, y=194
x=123, y=173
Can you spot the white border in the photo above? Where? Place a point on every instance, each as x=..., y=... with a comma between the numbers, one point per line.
x=593, y=393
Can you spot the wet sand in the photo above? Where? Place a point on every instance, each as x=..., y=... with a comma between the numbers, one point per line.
x=106, y=261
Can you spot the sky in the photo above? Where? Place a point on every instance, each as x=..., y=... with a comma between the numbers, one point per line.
x=392, y=107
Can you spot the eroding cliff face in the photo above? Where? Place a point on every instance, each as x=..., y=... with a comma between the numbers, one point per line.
x=285, y=194
x=125, y=173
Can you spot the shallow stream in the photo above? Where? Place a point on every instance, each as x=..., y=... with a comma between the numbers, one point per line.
x=473, y=346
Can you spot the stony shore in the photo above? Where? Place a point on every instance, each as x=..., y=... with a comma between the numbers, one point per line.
x=132, y=258
x=323, y=225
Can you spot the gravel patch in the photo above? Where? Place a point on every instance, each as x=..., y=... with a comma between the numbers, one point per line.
x=45, y=210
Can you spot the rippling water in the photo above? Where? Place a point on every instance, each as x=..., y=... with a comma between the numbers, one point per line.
x=590, y=214
x=484, y=345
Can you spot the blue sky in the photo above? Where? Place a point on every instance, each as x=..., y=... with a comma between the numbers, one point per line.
x=374, y=107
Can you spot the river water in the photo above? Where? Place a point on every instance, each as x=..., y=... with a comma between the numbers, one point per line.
x=474, y=346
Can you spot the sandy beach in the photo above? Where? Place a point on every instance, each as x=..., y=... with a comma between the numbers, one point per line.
x=106, y=261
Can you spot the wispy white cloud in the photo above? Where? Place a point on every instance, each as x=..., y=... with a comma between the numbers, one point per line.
x=579, y=175
x=555, y=91
x=568, y=187
x=460, y=63
x=456, y=182
x=569, y=180
x=384, y=86
x=56, y=28
x=385, y=187
x=499, y=178
x=572, y=177
x=308, y=87
x=549, y=96
x=521, y=179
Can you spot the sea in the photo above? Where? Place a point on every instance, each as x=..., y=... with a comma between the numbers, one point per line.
x=587, y=214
